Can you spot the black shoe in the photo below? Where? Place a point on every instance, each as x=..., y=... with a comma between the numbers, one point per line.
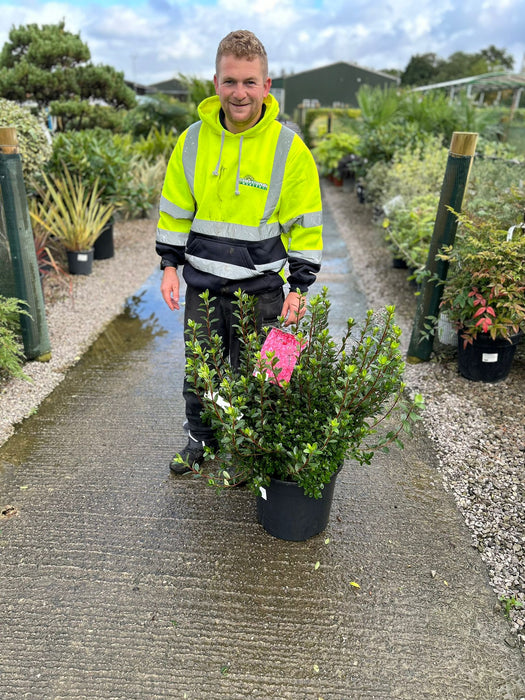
x=190, y=455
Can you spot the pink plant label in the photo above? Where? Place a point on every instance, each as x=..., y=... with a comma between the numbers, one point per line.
x=287, y=350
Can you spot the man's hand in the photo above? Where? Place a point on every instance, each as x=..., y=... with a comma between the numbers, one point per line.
x=294, y=308
x=169, y=288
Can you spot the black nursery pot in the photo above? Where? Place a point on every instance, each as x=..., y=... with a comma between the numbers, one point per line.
x=486, y=360
x=286, y=513
x=104, y=244
x=80, y=262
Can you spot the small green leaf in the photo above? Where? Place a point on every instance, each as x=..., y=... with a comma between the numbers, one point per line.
x=317, y=565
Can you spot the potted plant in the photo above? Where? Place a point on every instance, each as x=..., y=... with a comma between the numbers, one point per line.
x=484, y=295
x=72, y=214
x=291, y=432
x=329, y=152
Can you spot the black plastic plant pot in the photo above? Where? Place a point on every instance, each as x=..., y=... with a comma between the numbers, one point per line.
x=104, y=248
x=486, y=360
x=80, y=262
x=286, y=513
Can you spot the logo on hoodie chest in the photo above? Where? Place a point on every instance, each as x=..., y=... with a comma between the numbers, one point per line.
x=249, y=181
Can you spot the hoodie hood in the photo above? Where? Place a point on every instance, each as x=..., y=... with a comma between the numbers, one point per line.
x=209, y=112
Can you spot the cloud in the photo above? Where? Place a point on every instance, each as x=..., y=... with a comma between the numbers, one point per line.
x=153, y=40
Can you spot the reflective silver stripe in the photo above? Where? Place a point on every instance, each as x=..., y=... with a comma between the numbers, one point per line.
x=232, y=272
x=173, y=210
x=313, y=256
x=189, y=154
x=310, y=220
x=284, y=143
x=237, y=232
x=171, y=237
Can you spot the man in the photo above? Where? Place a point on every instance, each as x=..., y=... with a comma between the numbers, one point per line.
x=240, y=200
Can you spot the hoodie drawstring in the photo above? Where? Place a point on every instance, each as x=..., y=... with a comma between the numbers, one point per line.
x=216, y=171
x=238, y=168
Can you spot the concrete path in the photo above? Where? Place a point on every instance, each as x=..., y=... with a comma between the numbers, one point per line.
x=119, y=581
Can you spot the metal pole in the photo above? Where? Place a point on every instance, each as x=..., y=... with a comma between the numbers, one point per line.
x=460, y=158
x=22, y=248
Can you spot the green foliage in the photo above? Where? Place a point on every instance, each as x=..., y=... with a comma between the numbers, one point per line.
x=158, y=143
x=411, y=173
x=32, y=134
x=509, y=604
x=76, y=114
x=409, y=231
x=433, y=112
x=316, y=122
x=48, y=64
x=421, y=69
x=332, y=148
x=490, y=187
x=70, y=211
x=338, y=395
x=11, y=349
x=424, y=69
x=381, y=143
x=485, y=288
x=378, y=105
x=198, y=89
x=98, y=155
x=161, y=114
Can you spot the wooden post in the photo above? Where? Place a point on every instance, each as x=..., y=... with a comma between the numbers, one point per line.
x=8, y=140
x=460, y=159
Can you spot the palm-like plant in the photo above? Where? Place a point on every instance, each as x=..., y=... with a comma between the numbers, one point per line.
x=70, y=211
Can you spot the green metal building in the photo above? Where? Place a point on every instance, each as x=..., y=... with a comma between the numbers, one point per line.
x=335, y=85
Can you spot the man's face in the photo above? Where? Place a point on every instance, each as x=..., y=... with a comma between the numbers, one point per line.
x=241, y=87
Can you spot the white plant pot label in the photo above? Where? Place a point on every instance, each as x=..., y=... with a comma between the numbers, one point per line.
x=263, y=493
x=82, y=257
x=489, y=357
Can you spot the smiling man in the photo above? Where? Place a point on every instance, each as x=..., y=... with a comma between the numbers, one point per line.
x=240, y=209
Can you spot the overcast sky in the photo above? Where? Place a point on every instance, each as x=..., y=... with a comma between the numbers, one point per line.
x=154, y=40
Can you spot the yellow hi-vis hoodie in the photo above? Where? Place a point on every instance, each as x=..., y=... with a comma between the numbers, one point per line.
x=236, y=208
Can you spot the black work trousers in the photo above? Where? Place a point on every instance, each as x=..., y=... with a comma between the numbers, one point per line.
x=268, y=308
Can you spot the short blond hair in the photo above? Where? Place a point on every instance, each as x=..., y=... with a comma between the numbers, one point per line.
x=242, y=44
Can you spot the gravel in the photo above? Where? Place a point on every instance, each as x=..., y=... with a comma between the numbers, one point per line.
x=478, y=429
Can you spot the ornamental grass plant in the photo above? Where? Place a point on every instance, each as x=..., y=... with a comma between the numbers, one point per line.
x=333, y=408
x=71, y=212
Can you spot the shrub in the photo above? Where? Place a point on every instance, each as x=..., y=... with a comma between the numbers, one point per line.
x=11, y=350
x=331, y=149
x=33, y=136
x=98, y=154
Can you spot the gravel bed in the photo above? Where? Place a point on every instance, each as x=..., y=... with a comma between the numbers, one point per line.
x=478, y=429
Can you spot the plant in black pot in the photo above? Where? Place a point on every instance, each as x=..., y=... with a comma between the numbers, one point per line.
x=484, y=295
x=289, y=416
x=73, y=214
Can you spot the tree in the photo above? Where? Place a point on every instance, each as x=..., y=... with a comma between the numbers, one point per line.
x=198, y=89
x=425, y=69
x=497, y=59
x=49, y=65
x=422, y=69
x=462, y=65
